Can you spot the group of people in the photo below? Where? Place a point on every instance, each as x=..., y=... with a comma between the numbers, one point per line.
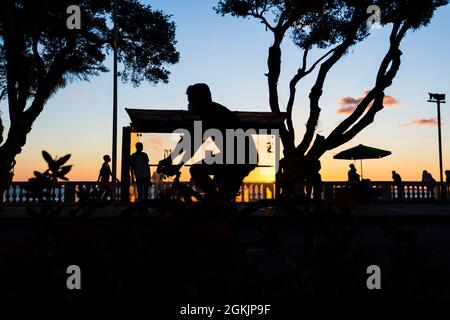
x=140, y=174
x=427, y=179
x=300, y=178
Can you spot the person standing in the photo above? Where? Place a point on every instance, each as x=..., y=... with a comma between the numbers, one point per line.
x=140, y=171
x=399, y=185
x=313, y=180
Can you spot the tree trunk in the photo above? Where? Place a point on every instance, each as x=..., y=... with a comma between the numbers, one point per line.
x=9, y=150
x=274, y=66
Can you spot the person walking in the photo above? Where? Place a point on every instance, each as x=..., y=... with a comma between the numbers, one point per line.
x=104, y=180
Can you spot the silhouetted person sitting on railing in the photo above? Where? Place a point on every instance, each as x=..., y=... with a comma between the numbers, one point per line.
x=399, y=185
x=353, y=177
x=227, y=177
x=429, y=182
x=313, y=180
x=104, y=180
x=140, y=171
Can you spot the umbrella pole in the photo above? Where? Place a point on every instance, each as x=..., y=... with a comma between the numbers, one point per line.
x=360, y=163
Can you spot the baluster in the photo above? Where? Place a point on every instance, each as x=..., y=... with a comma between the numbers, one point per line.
x=152, y=191
x=15, y=194
x=9, y=194
x=22, y=197
x=248, y=193
x=57, y=194
x=264, y=191
x=18, y=190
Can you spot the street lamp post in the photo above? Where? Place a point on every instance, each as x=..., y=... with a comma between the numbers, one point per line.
x=114, y=125
x=438, y=99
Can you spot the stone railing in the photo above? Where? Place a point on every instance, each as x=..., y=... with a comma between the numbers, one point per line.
x=66, y=192
x=63, y=193
x=388, y=191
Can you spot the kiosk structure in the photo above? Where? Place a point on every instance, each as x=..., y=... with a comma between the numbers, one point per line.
x=168, y=121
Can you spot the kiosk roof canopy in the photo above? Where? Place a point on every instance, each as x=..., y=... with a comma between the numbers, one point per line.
x=166, y=121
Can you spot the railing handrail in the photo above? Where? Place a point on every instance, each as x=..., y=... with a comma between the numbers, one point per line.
x=66, y=191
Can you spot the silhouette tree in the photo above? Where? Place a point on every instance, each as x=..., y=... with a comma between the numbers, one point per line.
x=333, y=26
x=39, y=55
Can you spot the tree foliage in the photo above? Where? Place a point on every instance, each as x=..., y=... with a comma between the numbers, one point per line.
x=39, y=54
x=333, y=26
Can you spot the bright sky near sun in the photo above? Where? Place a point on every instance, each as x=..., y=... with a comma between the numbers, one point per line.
x=230, y=55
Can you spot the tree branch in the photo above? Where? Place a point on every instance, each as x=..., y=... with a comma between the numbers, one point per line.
x=379, y=87
x=316, y=91
x=301, y=73
x=350, y=127
x=260, y=16
x=49, y=82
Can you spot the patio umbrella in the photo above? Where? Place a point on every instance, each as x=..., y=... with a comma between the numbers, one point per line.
x=362, y=152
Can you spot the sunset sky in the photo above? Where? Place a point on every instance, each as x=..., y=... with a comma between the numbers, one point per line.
x=230, y=55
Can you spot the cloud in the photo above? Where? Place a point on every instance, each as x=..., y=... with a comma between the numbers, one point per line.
x=348, y=104
x=390, y=101
x=432, y=122
x=346, y=109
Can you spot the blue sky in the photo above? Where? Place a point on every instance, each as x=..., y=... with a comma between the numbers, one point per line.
x=230, y=55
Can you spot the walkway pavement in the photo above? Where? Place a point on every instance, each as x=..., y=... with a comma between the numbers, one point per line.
x=385, y=209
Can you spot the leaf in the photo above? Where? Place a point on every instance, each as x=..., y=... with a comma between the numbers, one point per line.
x=64, y=170
x=37, y=174
x=47, y=157
x=63, y=160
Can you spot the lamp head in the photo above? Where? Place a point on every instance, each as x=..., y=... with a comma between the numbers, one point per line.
x=436, y=96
